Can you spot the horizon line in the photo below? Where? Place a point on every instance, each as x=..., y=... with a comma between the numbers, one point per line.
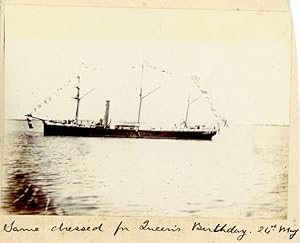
x=234, y=124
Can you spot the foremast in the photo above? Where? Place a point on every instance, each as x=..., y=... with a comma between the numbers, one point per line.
x=77, y=98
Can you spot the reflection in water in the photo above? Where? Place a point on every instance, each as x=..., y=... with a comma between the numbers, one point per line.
x=242, y=173
x=22, y=194
x=23, y=197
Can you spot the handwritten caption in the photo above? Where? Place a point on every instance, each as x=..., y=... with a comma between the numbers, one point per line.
x=120, y=228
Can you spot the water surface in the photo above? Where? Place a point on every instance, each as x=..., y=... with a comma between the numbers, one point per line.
x=241, y=173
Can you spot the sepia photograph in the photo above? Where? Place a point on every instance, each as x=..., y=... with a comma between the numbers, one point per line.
x=146, y=112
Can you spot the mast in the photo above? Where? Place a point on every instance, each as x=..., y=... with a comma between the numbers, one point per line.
x=187, y=112
x=140, y=106
x=141, y=96
x=77, y=98
x=187, y=109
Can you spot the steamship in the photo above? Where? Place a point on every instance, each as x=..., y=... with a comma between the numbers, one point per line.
x=103, y=128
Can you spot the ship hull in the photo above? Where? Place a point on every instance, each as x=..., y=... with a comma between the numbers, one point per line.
x=61, y=130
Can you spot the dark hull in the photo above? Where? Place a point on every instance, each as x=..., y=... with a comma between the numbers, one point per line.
x=60, y=130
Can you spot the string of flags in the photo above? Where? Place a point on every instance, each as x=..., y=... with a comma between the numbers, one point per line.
x=196, y=79
x=48, y=100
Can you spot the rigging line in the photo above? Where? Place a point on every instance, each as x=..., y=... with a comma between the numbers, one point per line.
x=87, y=93
x=150, y=92
x=146, y=63
x=49, y=99
x=194, y=100
x=193, y=77
x=196, y=80
x=101, y=67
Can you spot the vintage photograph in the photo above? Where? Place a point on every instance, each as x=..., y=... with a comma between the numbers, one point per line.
x=136, y=112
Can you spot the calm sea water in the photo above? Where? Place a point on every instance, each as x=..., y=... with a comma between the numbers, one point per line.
x=241, y=173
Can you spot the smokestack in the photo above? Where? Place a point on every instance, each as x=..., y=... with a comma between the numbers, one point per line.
x=106, y=114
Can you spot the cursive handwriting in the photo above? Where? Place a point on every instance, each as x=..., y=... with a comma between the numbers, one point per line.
x=12, y=228
x=145, y=226
x=291, y=232
x=120, y=227
x=270, y=229
x=221, y=228
x=61, y=228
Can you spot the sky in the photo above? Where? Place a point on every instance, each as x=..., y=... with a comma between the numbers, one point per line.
x=241, y=58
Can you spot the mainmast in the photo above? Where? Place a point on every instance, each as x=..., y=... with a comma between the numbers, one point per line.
x=142, y=97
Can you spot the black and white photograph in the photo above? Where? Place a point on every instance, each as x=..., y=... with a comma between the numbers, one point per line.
x=146, y=112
